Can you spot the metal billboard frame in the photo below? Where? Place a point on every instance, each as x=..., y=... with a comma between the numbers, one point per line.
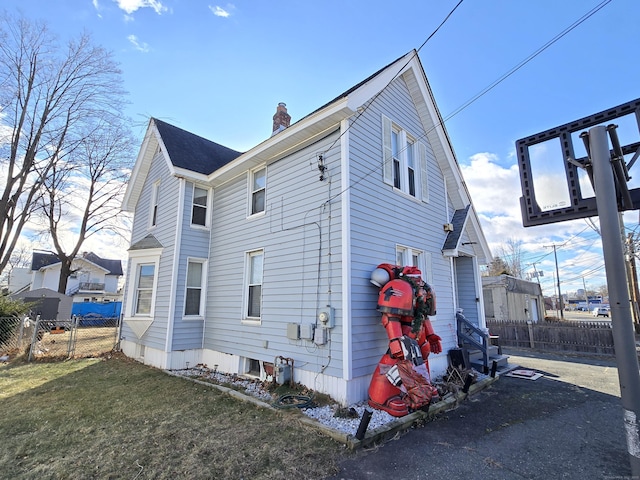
x=580, y=207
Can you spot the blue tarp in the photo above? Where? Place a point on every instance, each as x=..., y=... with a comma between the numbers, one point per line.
x=94, y=309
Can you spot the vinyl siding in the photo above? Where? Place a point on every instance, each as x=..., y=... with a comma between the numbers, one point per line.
x=187, y=333
x=381, y=218
x=301, y=238
x=164, y=231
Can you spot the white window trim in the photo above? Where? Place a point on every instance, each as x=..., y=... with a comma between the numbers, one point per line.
x=137, y=258
x=245, y=295
x=424, y=260
x=207, y=218
x=154, y=208
x=421, y=179
x=251, y=192
x=203, y=288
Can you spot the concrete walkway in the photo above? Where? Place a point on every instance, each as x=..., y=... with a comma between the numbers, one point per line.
x=566, y=424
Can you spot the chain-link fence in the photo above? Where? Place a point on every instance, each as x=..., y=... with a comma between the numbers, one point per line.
x=15, y=335
x=86, y=336
x=79, y=337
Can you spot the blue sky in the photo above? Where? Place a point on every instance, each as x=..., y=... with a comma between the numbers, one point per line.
x=220, y=69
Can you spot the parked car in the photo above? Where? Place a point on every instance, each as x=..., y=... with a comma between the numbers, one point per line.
x=600, y=312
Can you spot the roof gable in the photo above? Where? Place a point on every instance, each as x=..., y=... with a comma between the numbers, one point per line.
x=192, y=152
x=207, y=161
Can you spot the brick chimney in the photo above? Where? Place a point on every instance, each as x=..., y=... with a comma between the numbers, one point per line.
x=281, y=119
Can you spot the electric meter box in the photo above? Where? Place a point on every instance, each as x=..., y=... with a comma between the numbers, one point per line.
x=326, y=317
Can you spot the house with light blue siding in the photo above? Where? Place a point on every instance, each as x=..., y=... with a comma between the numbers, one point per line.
x=243, y=260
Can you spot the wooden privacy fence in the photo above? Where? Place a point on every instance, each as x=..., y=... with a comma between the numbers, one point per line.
x=568, y=336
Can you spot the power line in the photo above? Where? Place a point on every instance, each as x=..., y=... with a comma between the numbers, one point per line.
x=513, y=70
x=483, y=92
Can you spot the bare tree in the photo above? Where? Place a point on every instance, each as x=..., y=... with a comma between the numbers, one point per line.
x=497, y=267
x=83, y=197
x=511, y=253
x=20, y=258
x=51, y=97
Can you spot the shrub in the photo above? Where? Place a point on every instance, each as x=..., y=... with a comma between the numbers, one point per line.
x=13, y=308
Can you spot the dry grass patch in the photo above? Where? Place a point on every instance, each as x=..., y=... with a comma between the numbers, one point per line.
x=115, y=418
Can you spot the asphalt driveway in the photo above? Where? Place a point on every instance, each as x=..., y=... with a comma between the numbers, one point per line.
x=566, y=424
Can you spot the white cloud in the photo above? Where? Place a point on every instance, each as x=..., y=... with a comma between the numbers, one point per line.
x=140, y=46
x=495, y=190
x=221, y=12
x=130, y=6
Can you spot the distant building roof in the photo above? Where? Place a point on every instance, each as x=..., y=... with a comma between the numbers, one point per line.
x=192, y=152
x=41, y=259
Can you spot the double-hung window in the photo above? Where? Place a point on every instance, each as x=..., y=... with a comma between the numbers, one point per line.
x=141, y=292
x=253, y=302
x=200, y=204
x=144, y=288
x=258, y=190
x=413, y=257
x=405, y=161
x=194, y=298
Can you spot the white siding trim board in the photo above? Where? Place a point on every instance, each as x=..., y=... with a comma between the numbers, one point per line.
x=347, y=341
x=175, y=265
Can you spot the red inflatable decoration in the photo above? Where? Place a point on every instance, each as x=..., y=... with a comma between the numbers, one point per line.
x=401, y=382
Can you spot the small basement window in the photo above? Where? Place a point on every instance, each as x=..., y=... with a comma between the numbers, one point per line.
x=254, y=367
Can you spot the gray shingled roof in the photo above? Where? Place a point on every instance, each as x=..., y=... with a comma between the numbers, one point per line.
x=458, y=221
x=39, y=260
x=114, y=266
x=189, y=151
x=147, y=242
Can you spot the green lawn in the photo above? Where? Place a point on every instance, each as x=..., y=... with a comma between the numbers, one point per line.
x=115, y=418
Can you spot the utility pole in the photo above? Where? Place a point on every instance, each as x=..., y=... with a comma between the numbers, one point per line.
x=558, y=280
x=586, y=297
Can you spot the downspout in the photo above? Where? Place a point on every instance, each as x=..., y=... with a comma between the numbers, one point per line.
x=347, y=343
x=174, y=275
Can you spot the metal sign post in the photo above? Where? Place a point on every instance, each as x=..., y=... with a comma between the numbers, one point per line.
x=608, y=172
x=621, y=319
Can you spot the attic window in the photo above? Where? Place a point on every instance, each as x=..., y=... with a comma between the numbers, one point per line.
x=405, y=161
x=153, y=216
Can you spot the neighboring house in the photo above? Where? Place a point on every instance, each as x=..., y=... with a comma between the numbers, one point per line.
x=241, y=260
x=513, y=299
x=93, y=279
x=19, y=279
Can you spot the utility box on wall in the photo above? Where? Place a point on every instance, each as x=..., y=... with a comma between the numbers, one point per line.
x=306, y=331
x=320, y=336
x=293, y=331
